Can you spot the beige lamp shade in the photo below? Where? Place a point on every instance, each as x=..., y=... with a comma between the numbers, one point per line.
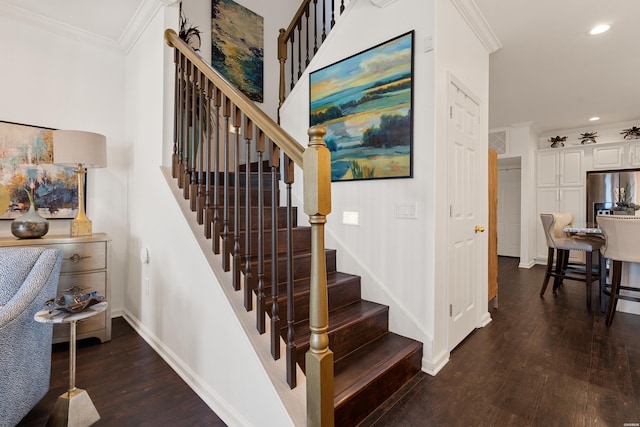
x=74, y=147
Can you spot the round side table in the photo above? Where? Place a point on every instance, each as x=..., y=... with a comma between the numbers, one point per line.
x=74, y=407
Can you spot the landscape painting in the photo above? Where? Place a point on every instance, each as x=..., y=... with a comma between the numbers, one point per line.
x=237, y=46
x=365, y=104
x=26, y=163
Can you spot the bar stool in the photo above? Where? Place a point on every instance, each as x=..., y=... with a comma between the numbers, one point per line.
x=562, y=244
x=622, y=234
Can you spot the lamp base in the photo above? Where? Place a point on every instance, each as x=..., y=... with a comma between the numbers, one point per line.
x=81, y=227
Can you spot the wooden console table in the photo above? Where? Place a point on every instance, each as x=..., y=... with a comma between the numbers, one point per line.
x=85, y=268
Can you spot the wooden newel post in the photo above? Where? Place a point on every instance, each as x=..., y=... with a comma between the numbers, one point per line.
x=317, y=204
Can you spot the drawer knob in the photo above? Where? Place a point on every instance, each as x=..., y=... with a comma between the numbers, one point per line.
x=75, y=258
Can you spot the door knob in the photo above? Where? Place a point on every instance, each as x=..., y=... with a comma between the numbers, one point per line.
x=479, y=229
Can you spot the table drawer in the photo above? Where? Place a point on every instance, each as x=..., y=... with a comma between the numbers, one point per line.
x=83, y=256
x=85, y=282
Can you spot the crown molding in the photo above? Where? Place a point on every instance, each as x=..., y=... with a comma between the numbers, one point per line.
x=472, y=14
x=382, y=3
x=55, y=26
x=140, y=20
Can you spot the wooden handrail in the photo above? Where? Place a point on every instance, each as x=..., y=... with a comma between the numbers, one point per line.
x=271, y=129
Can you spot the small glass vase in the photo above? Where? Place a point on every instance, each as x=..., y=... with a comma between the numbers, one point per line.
x=30, y=225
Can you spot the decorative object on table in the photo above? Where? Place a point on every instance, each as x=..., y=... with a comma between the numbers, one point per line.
x=188, y=33
x=237, y=46
x=30, y=225
x=74, y=302
x=84, y=150
x=367, y=114
x=588, y=137
x=624, y=201
x=557, y=141
x=27, y=156
x=631, y=133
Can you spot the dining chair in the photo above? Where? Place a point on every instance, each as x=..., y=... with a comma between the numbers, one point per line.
x=622, y=234
x=561, y=244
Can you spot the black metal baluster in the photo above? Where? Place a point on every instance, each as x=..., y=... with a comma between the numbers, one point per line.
x=324, y=19
x=341, y=6
x=176, y=112
x=197, y=201
x=237, y=259
x=260, y=310
x=226, y=234
x=208, y=210
x=187, y=114
x=333, y=17
x=306, y=14
x=216, y=172
x=275, y=317
x=248, y=291
x=190, y=161
x=288, y=178
x=299, y=26
x=292, y=56
x=315, y=26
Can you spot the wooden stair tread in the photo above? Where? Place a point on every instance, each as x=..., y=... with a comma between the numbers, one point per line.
x=339, y=318
x=360, y=367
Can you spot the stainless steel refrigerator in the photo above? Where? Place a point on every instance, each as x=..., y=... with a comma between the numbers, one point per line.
x=603, y=187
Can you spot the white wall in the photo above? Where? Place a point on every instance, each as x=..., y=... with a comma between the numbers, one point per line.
x=459, y=53
x=176, y=302
x=59, y=80
x=398, y=259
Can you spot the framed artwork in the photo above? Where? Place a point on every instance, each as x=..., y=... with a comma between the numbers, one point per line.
x=237, y=46
x=365, y=103
x=26, y=163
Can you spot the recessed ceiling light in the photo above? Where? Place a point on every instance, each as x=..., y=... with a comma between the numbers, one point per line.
x=599, y=29
x=593, y=119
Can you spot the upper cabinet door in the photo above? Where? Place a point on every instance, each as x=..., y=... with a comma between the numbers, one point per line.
x=572, y=168
x=634, y=154
x=605, y=157
x=547, y=169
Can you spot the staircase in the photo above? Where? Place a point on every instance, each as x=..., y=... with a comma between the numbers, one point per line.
x=278, y=264
x=370, y=363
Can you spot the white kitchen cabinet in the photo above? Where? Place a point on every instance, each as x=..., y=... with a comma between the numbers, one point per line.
x=560, y=168
x=608, y=157
x=634, y=154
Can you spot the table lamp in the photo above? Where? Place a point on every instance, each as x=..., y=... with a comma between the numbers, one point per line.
x=79, y=149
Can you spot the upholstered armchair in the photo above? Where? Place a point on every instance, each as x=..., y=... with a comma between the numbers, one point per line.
x=28, y=277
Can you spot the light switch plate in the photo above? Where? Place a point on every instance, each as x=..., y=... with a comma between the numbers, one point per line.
x=407, y=210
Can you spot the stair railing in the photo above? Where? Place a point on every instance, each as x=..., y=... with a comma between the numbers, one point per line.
x=301, y=40
x=210, y=118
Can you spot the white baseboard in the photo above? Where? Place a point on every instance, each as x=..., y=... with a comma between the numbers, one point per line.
x=432, y=367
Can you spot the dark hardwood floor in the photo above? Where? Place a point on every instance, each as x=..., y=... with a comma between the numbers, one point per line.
x=540, y=362
x=129, y=384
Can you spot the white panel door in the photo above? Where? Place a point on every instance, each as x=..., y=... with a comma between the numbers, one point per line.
x=509, y=212
x=466, y=193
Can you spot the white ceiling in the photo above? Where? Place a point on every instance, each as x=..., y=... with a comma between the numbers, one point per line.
x=549, y=71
